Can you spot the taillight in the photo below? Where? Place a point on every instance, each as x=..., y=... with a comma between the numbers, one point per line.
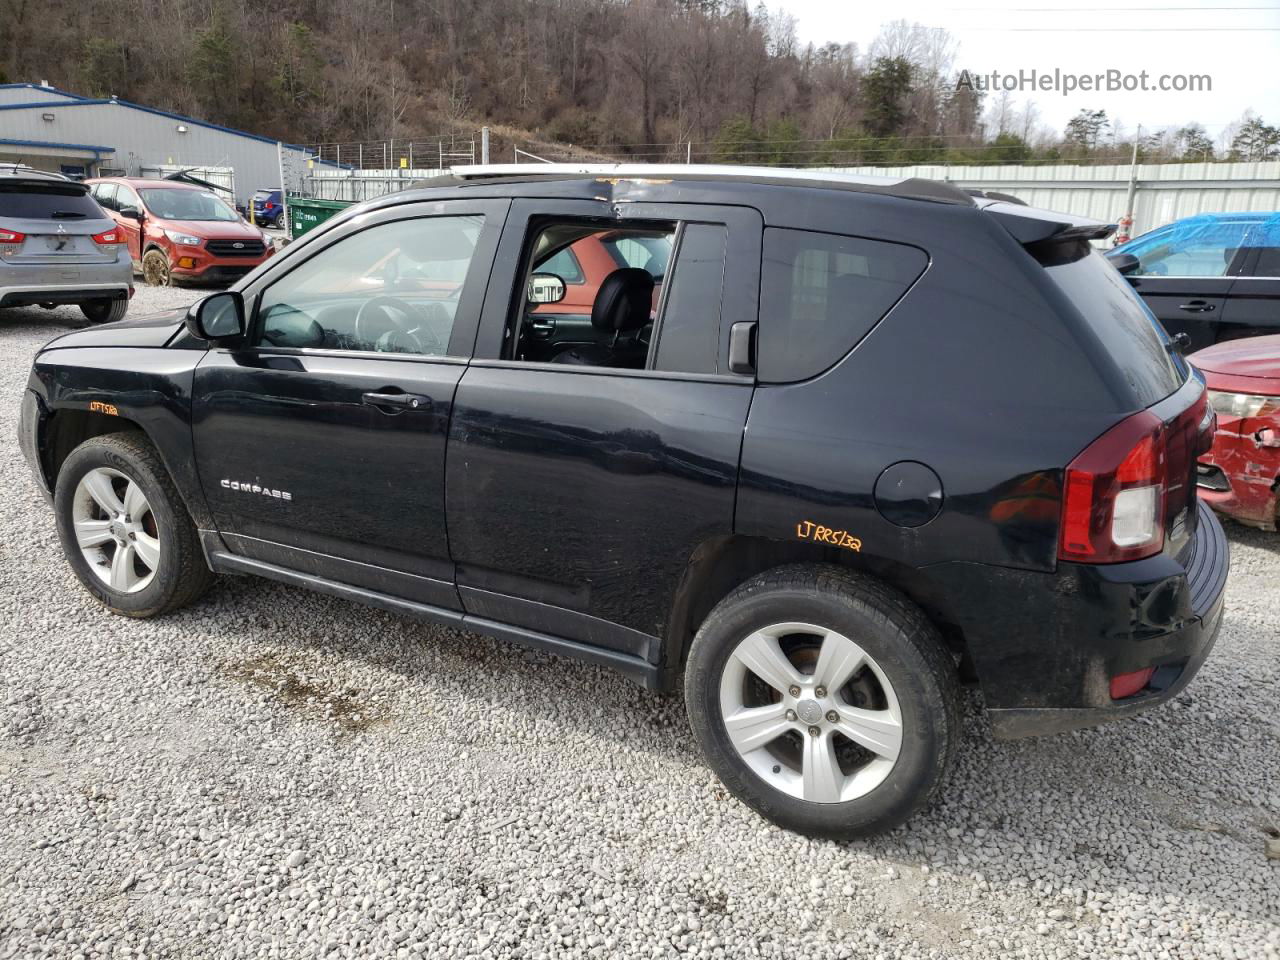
x=109, y=238
x=10, y=240
x=1113, y=495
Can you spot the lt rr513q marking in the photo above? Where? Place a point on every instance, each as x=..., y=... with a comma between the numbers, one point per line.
x=808, y=530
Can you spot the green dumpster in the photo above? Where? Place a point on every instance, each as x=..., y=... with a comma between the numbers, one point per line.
x=306, y=214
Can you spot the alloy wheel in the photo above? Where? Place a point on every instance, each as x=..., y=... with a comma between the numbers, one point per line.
x=116, y=530
x=811, y=712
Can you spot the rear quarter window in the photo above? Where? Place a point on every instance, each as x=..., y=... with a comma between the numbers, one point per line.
x=1124, y=325
x=38, y=201
x=820, y=293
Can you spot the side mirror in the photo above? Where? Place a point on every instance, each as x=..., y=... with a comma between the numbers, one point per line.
x=1126, y=263
x=545, y=288
x=218, y=317
x=131, y=213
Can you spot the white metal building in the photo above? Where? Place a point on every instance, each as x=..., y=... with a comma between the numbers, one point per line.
x=51, y=129
x=1163, y=192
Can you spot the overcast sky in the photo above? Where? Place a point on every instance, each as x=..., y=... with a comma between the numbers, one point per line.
x=1236, y=42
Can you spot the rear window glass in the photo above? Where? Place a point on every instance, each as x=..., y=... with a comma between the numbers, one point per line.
x=38, y=201
x=1125, y=326
x=820, y=293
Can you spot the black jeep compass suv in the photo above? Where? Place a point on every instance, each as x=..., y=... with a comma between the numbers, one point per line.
x=826, y=447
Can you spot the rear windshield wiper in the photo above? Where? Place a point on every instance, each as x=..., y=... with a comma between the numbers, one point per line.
x=67, y=215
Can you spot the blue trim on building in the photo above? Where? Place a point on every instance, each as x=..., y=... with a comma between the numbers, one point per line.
x=92, y=148
x=36, y=86
x=85, y=102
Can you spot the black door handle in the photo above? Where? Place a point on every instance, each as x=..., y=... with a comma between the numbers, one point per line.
x=396, y=402
x=742, y=347
x=1196, y=306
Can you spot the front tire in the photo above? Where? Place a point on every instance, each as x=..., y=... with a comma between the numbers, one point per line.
x=824, y=700
x=125, y=530
x=104, y=311
x=155, y=268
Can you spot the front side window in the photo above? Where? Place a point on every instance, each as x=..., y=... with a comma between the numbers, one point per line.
x=174, y=204
x=392, y=288
x=126, y=199
x=820, y=293
x=1198, y=247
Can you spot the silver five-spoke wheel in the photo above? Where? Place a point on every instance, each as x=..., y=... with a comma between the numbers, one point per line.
x=116, y=530
x=811, y=712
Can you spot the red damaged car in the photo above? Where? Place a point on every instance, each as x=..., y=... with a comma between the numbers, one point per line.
x=1241, y=474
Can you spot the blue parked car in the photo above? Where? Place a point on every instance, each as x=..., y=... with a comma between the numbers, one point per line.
x=1213, y=277
x=268, y=209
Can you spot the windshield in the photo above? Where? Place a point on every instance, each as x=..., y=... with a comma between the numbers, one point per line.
x=171, y=204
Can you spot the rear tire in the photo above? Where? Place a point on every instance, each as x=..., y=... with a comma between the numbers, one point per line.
x=850, y=761
x=125, y=530
x=105, y=311
x=155, y=268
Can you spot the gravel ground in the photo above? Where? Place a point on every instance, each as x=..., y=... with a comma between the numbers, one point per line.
x=279, y=774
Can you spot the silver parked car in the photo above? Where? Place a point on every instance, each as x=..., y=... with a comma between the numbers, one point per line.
x=57, y=246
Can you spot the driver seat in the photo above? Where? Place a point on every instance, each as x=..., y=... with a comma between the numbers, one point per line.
x=620, y=309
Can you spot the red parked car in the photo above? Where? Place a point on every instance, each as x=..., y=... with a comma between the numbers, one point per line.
x=1241, y=474
x=180, y=231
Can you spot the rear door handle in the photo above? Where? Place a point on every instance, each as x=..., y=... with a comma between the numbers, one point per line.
x=396, y=402
x=1196, y=306
x=742, y=347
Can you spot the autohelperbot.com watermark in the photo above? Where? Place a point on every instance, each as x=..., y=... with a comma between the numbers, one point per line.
x=1066, y=82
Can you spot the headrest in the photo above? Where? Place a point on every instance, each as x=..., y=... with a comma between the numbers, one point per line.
x=623, y=301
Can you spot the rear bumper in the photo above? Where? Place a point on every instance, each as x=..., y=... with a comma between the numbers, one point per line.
x=1045, y=646
x=65, y=293
x=1139, y=608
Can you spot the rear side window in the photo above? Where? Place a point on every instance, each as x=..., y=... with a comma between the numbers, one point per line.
x=39, y=201
x=820, y=293
x=1127, y=329
x=1268, y=264
x=564, y=265
x=105, y=194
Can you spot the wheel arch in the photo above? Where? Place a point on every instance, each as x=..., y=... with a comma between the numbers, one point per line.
x=66, y=428
x=720, y=565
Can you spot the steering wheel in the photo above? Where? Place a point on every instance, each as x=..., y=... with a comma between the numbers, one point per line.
x=394, y=326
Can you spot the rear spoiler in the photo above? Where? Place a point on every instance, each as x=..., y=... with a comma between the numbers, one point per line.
x=1029, y=225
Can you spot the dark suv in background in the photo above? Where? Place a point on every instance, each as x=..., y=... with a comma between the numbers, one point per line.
x=1213, y=277
x=877, y=439
x=57, y=246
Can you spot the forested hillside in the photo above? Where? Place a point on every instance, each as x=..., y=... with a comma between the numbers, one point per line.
x=651, y=79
